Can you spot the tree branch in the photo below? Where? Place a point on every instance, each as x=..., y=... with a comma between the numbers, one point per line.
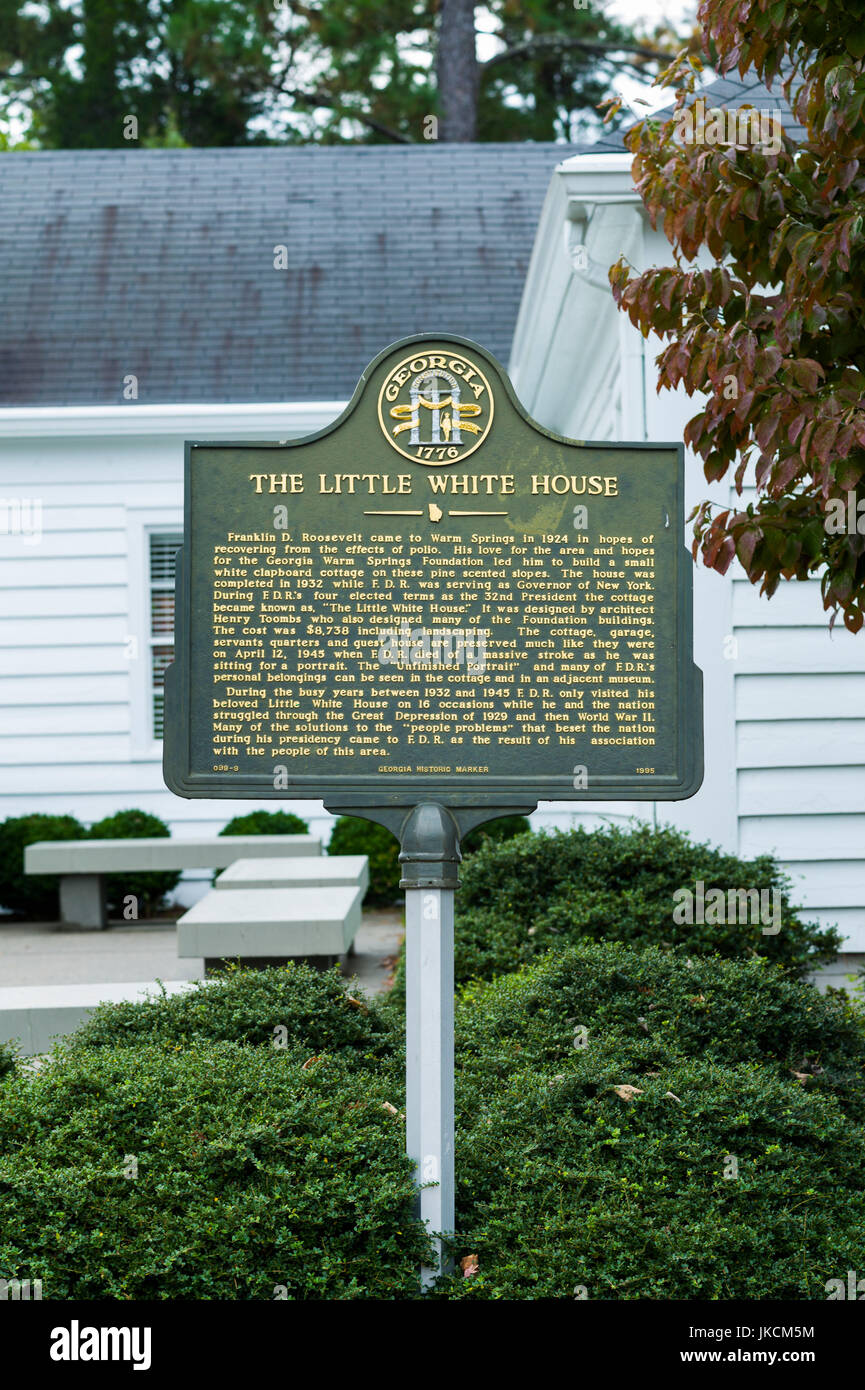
x=554, y=42
x=318, y=98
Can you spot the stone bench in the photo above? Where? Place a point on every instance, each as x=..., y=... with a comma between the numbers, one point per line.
x=36, y=1014
x=82, y=864
x=340, y=870
x=267, y=925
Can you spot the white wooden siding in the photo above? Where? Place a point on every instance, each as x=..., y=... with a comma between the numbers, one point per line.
x=785, y=708
x=68, y=604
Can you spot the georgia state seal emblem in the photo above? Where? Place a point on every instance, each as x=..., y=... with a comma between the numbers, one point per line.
x=436, y=408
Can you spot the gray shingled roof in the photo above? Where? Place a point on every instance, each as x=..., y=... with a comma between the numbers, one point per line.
x=160, y=263
x=730, y=91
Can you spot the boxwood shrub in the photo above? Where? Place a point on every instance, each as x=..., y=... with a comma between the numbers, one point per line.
x=8, y=1059
x=535, y=893
x=497, y=831
x=266, y=823
x=653, y=1006
x=205, y=1170
x=149, y=889
x=353, y=835
x=565, y=1185
x=293, y=1007
x=35, y=896
x=261, y=1166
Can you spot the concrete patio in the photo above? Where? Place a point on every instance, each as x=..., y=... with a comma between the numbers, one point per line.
x=40, y=957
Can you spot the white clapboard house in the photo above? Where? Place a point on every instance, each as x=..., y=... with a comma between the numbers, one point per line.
x=143, y=306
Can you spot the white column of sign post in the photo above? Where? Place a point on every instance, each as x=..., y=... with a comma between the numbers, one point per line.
x=429, y=957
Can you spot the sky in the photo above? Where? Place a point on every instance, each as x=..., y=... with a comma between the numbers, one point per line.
x=647, y=13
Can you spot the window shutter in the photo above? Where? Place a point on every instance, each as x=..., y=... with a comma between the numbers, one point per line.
x=163, y=548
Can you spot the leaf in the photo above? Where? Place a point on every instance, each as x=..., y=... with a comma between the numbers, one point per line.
x=802, y=251
x=796, y=427
x=823, y=439
x=765, y=431
x=746, y=546
x=728, y=550
x=627, y=1092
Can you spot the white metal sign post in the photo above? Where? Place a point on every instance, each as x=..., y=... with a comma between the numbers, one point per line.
x=430, y=856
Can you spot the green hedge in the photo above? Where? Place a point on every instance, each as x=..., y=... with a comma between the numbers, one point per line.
x=261, y=1166
x=33, y=896
x=653, y=1006
x=8, y=1059
x=541, y=892
x=307, y=1010
x=148, y=889
x=562, y=1184
x=266, y=823
x=352, y=835
x=495, y=832
x=252, y=1172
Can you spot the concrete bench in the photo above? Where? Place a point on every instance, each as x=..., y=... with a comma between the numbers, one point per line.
x=340, y=870
x=271, y=924
x=36, y=1014
x=82, y=864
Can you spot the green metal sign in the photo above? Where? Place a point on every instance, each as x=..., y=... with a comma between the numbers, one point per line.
x=434, y=600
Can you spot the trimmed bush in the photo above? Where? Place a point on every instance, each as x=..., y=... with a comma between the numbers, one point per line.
x=564, y=1186
x=149, y=889
x=299, y=1009
x=8, y=1059
x=541, y=892
x=262, y=1165
x=266, y=823
x=495, y=831
x=34, y=896
x=564, y=1182
x=351, y=835
x=205, y=1171
x=655, y=1006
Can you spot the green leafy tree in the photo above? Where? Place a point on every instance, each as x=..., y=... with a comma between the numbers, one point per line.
x=104, y=73
x=773, y=331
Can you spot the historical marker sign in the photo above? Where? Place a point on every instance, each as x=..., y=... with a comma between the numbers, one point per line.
x=433, y=612
x=434, y=600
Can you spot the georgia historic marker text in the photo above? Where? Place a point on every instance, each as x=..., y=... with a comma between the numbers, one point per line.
x=434, y=599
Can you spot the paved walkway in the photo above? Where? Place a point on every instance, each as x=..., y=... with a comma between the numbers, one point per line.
x=42, y=954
